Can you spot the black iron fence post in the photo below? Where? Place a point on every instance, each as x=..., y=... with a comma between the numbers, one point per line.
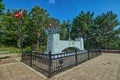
x=23, y=55
x=31, y=57
x=100, y=48
x=76, y=60
x=100, y=51
x=96, y=51
x=88, y=54
x=50, y=64
x=22, y=50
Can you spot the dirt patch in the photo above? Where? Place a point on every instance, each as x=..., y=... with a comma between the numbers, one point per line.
x=9, y=55
x=5, y=61
x=8, y=58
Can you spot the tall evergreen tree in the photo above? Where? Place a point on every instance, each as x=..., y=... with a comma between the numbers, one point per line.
x=83, y=25
x=106, y=23
x=39, y=16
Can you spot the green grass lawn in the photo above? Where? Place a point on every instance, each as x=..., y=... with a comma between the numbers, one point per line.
x=16, y=50
x=10, y=49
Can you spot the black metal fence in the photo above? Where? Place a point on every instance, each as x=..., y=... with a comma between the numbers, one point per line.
x=51, y=64
x=110, y=51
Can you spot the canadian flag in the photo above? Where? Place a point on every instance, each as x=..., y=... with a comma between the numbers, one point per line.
x=18, y=14
x=50, y=25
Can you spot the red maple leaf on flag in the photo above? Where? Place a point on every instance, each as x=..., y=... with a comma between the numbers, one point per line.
x=18, y=14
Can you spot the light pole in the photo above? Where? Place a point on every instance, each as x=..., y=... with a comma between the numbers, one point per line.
x=20, y=35
x=76, y=30
x=68, y=29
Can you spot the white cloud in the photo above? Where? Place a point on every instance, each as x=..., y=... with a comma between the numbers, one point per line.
x=51, y=1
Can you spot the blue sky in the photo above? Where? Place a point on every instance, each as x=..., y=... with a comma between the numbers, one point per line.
x=67, y=9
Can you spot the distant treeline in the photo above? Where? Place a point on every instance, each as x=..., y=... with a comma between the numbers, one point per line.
x=99, y=31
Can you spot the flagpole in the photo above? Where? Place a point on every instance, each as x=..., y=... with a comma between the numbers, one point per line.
x=17, y=16
x=20, y=30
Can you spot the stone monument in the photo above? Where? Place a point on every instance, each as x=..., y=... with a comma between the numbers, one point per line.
x=55, y=45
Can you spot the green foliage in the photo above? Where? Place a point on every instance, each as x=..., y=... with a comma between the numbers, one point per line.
x=38, y=22
x=1, y=8
x=96, y=31
x=106, y=23
x=28, y=49
x=63, y=33
x=42, y=48
x=83, y=25
x=99, y=31
x=9, y=28
x=10, y=49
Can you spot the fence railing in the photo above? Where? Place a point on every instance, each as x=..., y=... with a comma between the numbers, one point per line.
x=51, y=64
x=110, y=51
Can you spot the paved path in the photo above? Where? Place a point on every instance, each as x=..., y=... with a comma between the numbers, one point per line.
x=18, y=71
x=104, y=67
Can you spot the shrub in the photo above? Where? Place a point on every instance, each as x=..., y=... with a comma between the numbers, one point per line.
x=42, y=48
x=28, y=49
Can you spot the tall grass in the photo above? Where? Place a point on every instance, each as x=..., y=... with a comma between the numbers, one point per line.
x=10, y=49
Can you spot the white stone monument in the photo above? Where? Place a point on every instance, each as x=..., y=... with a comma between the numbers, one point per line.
x=55, y=45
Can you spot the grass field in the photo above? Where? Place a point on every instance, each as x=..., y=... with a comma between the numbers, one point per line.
x=10, y=49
